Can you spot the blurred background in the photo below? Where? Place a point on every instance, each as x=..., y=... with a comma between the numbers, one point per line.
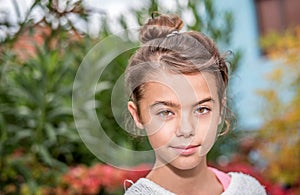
x=43, y=42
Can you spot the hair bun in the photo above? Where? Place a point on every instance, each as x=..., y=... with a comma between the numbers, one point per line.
x=160, y=26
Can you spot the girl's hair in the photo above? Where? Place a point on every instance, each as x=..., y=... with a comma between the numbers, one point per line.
x=164, y=47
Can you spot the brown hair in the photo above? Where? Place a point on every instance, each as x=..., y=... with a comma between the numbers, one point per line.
x=164, y=47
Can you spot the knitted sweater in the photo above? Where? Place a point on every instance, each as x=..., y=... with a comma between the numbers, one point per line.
x=239, y=184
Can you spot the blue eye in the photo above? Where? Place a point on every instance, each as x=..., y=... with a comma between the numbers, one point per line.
x=202, y=110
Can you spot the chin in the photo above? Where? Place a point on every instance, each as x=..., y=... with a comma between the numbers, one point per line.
x=187, y=163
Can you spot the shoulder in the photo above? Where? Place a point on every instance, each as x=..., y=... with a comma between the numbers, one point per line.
x=244, y=184
x=145, y=186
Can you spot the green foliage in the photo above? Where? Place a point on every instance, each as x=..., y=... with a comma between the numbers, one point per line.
x=36, y=114
x=38, y=138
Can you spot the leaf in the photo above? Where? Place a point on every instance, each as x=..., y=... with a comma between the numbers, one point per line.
x=51, y=134
x=44, y=153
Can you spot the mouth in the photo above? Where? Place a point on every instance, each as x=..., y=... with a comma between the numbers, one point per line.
x=185, y=150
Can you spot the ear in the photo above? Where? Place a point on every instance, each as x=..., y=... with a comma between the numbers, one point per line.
x=132, y=108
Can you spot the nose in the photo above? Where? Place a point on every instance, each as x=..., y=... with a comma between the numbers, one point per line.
x=186, y=127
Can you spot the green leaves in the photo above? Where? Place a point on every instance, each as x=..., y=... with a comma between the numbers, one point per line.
x=36, y=114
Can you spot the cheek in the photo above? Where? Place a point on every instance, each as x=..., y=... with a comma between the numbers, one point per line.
x=157, y=141
x=160, y=133
x=209, y=135
x=207, y=124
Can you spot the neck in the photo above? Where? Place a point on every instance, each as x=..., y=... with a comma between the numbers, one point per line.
x=198, y=180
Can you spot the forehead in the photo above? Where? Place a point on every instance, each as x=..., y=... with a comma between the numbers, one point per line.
x=184, y=87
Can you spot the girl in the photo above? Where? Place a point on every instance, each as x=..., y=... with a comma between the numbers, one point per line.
x=177, y=83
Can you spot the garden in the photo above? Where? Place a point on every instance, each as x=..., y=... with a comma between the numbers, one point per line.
x=41, y=148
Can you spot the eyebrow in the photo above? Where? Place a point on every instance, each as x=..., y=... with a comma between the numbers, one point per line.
x=165, y=103
x=172, y=104
x=208, y=99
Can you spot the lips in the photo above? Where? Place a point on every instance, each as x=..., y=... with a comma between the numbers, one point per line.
x=185, y=150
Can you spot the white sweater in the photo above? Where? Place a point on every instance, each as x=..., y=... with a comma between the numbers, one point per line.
x=240, y=184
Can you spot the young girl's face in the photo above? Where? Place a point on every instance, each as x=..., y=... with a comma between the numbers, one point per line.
x=181, y=114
